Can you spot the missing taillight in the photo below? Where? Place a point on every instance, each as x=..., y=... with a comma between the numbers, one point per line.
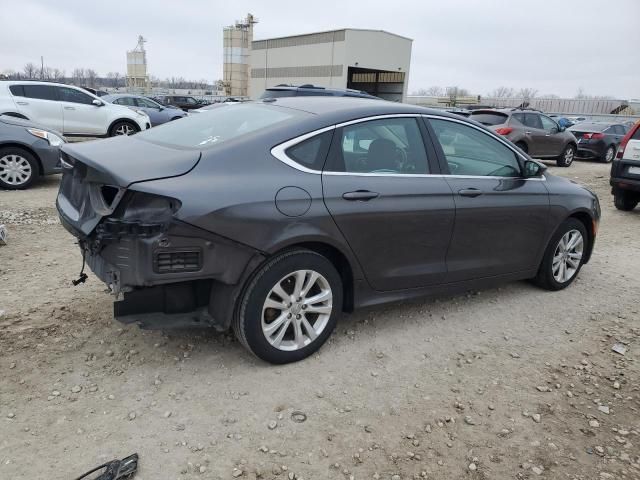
x=109, y=194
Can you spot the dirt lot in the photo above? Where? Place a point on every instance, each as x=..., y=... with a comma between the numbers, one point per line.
x=513, y=382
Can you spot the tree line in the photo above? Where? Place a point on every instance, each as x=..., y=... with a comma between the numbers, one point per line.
x=87, y=77
x=525, y=94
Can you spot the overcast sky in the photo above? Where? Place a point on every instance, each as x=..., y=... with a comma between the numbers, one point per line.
x=552, y=46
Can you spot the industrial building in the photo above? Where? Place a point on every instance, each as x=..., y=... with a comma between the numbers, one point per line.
x=374, y=61
x=236, y=50
x=137, y=76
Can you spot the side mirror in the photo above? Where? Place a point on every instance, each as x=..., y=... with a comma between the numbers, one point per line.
x=555, y=130
x=97, y=103
x=533, y=169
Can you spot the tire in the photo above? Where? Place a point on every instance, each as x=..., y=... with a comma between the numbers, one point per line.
x=625, y=201
x=609, y=154
x=253, y=319
x=547, y=277
x=522, y=146
x=18, y=168
x=568, y=154
x=123, y=127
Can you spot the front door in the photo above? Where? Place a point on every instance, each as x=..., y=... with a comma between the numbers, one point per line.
x=80, y=115
x=555, y=139
x=396, y=217
x=537, y=135
x=501, y=218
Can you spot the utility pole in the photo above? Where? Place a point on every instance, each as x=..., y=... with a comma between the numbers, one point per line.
x=41, y=67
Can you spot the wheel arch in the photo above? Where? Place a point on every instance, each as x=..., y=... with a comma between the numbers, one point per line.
x=589, y=223
x=26, y=148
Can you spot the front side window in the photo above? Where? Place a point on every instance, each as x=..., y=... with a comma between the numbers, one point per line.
x=74, y=96
x=469, y=151
x=127, y=101
x=548, y=124
x=386, y=146
x=191, y=100
x=40, y=92
x=219, y=125
x=146, y=103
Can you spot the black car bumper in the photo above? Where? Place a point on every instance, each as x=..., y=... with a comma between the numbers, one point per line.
x=622, y=183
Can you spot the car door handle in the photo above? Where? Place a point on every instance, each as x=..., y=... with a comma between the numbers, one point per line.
x=22, y=103
x=470, y=192
x=362, y=195
x=69, y=108
x=526, y=132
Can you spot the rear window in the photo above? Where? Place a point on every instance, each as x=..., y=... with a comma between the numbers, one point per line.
x=219, y=125
x=489, y=118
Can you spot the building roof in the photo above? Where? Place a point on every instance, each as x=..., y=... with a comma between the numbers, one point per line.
x=335, y=30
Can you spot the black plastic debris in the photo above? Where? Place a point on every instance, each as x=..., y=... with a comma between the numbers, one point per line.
x=114, y=470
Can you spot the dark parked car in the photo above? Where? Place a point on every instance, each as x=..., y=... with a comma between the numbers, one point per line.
x=309, y=90
x=183, y=102
x=95, y=91
x=26, y=152
x=533, y=132
x=625, y=171
x=274, y=217
x=158, y=114
x=598, y=139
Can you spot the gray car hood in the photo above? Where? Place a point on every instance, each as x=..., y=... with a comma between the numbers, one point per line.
x=122, y=160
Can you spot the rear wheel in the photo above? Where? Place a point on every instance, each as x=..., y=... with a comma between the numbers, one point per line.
x=18, y=168
x=564, y=256
x=290, y=307
x=566, y=159
x=609, y=154
x=123, y=127
x=625, y=201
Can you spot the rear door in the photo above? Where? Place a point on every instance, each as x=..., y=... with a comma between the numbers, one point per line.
x=38, y=103
x=80, y=115
x=501, y=218
x=397, y=216
x=537, y=136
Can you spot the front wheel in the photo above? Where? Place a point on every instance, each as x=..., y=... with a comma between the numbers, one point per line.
x=564, y=256
x=290, y=307
x=18, y=168
x=566, y=159
x=123, y=127
x=609, y=154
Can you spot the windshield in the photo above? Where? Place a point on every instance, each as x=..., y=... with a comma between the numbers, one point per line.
x=219, y=125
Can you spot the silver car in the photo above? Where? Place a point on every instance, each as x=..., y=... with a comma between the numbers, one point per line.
x=158, y=114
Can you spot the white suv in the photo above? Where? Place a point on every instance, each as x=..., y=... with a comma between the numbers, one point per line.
x=68, y=109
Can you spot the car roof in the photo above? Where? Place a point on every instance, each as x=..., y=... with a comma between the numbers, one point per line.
x=309, y=87
x=347, y=108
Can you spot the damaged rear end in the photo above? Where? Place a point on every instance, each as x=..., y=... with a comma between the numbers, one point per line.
x=163, y=270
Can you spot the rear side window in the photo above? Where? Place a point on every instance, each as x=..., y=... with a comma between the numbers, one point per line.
x=311, y=153
x=41, y=92
x=519, y=117
x=17, y=90
x=490, y=118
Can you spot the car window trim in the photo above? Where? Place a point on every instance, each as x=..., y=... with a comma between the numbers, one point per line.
x=279, y=151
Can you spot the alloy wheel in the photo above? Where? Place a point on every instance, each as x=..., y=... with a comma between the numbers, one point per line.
x=125, y=129
x=567, y=256
x=568, y=156
x=15, y=170
x=297, y=310
x=608, y=157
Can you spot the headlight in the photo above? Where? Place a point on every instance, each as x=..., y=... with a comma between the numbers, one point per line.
x=53, y=139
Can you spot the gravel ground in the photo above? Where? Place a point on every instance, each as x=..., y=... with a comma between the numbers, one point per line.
x=513, y=382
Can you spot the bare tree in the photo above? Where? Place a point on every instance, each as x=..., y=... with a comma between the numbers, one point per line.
x=30, y=70
x=527, y=94
x=91, y=77
x=502, y=92
x=78, y=76
x=454, y=93
x=57, y=75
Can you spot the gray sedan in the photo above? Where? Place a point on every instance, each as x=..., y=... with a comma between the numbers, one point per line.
x=158, y=114
x=274, y=217
x=26, y=152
